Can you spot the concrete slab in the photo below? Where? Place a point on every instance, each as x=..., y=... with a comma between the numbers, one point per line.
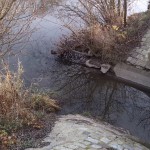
x=75, y=132
x=148, y=65
x=141, y=54
x=133, y=75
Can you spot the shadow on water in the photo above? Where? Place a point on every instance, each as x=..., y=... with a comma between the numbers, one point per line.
x=81, y=90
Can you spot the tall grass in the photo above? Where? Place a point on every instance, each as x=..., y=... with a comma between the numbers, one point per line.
x=13, y=112
x=19, y=106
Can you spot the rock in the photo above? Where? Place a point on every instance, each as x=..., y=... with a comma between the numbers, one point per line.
x=88, y=64
x=105, y=68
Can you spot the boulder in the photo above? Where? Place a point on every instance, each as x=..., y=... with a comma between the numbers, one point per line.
x=105, y=68
x=90, y=65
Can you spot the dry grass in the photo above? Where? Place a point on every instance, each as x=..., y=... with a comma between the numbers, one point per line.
x=18, y=105
x=100, y=41
x=44, y=103
x=110, y=43
x=12, y=97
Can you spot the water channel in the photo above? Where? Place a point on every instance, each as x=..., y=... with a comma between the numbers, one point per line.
x=79, y=89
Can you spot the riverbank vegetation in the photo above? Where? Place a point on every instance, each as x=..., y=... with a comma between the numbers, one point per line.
x=107, y=32
x=24, y=114
x=20, y=108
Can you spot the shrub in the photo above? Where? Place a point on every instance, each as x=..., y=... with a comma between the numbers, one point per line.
x=101, y=41
x=110, y=43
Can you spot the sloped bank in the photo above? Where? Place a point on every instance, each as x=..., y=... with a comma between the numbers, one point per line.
x=75, y=132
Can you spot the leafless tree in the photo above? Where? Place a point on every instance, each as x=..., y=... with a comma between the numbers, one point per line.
x=100, y=11
x=125, y=13
x=15, y=19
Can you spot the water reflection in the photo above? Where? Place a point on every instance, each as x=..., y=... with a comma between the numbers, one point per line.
x=102, y=98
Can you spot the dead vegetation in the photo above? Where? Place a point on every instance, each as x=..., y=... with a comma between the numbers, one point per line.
x=108, y=34
x=15, y=20
x=18, y=106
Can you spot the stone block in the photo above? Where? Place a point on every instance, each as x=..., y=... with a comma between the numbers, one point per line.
x=129, y=59
x=133, y=61
x=141, y=63
x=148, y=65
x=105, y=140
x=92, y=140
x=132, y=74
x=140, y=56
x=96, y=146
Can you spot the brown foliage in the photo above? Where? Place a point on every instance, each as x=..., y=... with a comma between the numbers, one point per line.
x=18, y=106
x=110, y=43
x=15, y=19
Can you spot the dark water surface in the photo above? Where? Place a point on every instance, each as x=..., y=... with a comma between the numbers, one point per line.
x=81, y=90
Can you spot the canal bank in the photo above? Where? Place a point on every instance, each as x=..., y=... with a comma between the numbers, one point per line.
x=75, y=132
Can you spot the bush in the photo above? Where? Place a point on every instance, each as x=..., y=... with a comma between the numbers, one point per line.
x=110, y=43
x=103, y=42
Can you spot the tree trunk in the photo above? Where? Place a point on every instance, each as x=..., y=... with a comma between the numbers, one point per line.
x=119, y=7
x=125, y=13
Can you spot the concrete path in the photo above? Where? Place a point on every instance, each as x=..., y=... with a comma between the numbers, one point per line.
x=137, y=69
x=133, y=75
x=140, y=56
x=75, y=132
